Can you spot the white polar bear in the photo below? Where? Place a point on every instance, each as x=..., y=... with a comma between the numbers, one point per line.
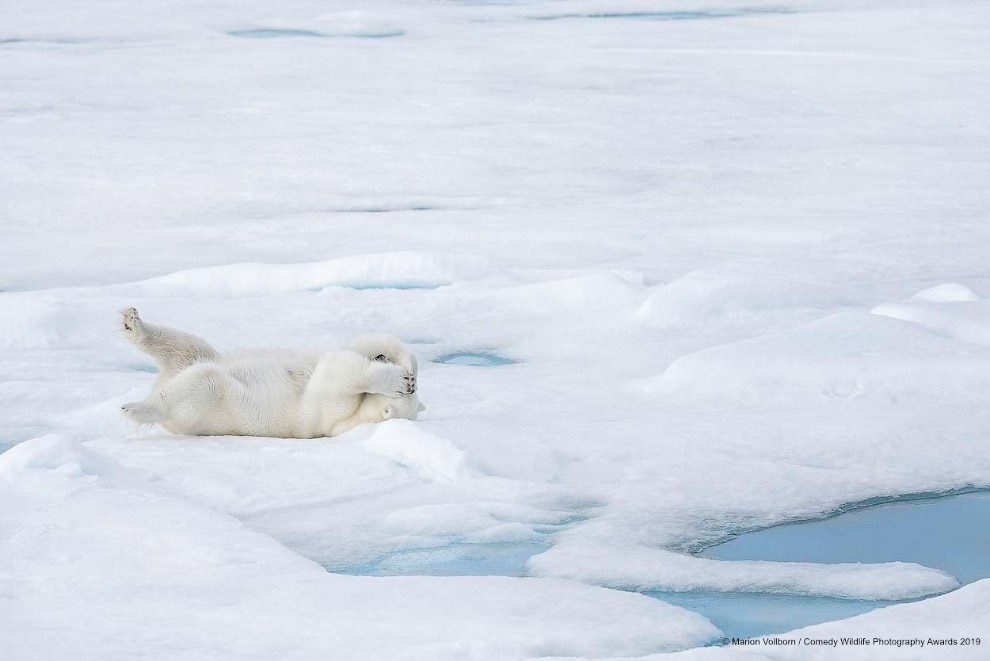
x=280, y=393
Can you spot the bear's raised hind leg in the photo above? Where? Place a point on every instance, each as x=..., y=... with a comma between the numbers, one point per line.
x=173, y=350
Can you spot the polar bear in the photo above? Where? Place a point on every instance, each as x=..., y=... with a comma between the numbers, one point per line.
x=280, y=393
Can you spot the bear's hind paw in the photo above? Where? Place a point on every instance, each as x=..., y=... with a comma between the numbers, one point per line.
x=141, y=413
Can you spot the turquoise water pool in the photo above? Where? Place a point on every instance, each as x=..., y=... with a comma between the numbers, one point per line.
x=948, y=532
x=473, y=359
x=502, y=559
x=951, y=533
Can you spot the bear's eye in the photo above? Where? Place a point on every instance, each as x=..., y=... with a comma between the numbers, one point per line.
x=381, y=358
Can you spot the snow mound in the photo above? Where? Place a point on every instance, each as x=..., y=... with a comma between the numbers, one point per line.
x=641, y=568
x=709, y=296
x=948, y=310
x=430, y=456
x=950, y=292
x=358, y=23
x=846, y=354
x=399, y=270
x=56, y=453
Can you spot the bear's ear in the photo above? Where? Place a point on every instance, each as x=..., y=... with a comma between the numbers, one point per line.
x=421, y=408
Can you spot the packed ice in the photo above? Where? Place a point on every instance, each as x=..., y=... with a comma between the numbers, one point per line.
x=727, y=263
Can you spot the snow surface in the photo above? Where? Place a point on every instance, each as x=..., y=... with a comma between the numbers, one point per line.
x=738, y=253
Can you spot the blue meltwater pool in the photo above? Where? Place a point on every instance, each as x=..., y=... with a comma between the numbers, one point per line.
x=948, y=532
x=473, y=359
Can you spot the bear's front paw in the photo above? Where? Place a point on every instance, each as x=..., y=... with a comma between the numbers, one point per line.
x=395, y=381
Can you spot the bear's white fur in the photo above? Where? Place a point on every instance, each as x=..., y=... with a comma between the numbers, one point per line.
x=281, y=393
